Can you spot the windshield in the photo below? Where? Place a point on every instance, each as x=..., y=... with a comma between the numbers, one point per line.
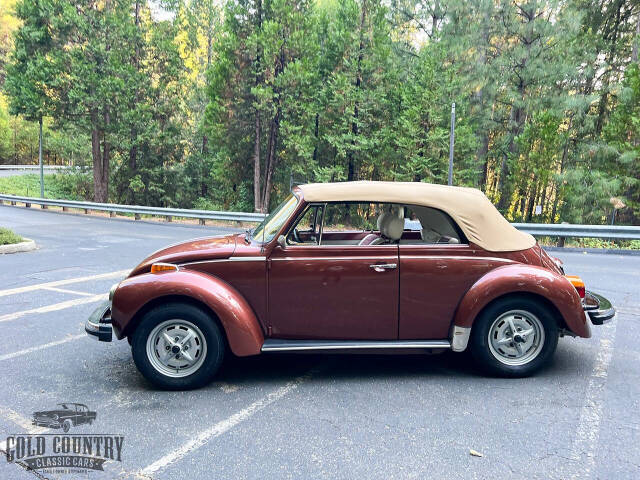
x=271, y=225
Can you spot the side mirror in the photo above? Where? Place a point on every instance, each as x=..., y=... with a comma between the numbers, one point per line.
x=282, y=241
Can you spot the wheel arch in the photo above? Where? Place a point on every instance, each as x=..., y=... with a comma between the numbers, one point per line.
x=158, y=301
x=538, y=283
x=551, y=308
x=138, y=295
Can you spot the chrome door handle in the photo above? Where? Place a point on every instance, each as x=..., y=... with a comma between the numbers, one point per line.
x=381, y=267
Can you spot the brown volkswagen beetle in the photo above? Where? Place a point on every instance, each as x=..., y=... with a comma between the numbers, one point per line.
x=352, y=267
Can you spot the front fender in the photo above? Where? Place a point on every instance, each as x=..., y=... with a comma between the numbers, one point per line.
x=521, y=278
x=236, y=315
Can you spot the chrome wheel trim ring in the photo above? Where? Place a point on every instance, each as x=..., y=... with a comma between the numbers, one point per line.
x=516, y=337
x=176, y=348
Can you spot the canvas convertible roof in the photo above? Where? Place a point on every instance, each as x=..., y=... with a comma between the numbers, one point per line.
x=480, y=221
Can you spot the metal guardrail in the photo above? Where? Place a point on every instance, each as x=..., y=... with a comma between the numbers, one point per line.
x=580, y=231
x=136, y=209
x=537, y=229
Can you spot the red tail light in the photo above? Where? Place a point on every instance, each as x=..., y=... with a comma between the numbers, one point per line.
x=578, y=284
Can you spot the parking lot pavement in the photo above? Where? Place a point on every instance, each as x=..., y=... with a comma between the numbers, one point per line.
x=307, y=416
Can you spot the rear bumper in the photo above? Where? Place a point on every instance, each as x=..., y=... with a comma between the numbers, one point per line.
x=98, y=325
x=598, y=308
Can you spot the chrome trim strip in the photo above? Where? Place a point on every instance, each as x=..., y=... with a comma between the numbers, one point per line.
x=230, y=259
x=460, y=338
x=279, y=345
x=426, y=256
x=379, y=258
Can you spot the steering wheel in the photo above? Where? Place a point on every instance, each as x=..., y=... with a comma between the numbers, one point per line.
x=296, y=236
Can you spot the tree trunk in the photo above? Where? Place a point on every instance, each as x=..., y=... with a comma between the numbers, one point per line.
x=317, y=140
x=606, y=77
x=99, y=189
x=636, y=42
x=358, y=84
x=257, y=200
x=271, y=161
x=504, y=182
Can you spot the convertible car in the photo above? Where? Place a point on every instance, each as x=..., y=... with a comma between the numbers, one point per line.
x=352, y=267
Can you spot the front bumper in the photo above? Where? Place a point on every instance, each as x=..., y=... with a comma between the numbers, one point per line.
x=99, y=324
x=598, y=308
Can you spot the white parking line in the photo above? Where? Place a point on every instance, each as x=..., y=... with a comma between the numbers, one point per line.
x=585, y=442
x=225, y=425
x=64, y=290
x=19, y=353
x=52, y=308
x=57, y=283
x=19, y=420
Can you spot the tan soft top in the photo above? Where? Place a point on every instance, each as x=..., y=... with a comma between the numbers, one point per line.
x=480, y=221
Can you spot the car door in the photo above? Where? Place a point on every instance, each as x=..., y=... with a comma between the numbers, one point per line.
x=336, y=288
x=437, y=267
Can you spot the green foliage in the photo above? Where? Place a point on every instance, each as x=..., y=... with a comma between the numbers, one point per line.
x=223, y=105
x=7, y=237
x=67, y=186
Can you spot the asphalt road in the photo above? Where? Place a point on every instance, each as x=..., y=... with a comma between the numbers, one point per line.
x=308, y=416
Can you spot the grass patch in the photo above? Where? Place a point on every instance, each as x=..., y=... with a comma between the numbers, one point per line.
x=64, y=186
x=7, y=237
x=592, y=243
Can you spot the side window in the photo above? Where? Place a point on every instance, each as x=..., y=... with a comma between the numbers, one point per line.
x=362, y=224
x=307, y=229
x=430, y=226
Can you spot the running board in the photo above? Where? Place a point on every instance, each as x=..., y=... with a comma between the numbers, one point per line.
x=279, y=345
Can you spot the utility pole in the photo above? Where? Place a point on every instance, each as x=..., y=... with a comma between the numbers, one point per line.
x=451, y=141
x=40, y=160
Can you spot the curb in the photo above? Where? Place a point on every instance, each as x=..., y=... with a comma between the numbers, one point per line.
x=25, y=246
x=610, y=251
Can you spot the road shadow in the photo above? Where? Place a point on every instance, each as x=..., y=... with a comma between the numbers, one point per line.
x=570, y=361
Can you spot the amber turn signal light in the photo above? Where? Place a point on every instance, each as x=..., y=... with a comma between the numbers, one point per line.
x=578, y=284
x=163, y=267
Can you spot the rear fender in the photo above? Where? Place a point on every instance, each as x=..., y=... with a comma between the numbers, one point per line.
x=521, y=278
x=240, y=324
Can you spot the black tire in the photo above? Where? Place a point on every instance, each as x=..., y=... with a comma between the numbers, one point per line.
x=66, y=426
x=215, y=346
x=489, y=361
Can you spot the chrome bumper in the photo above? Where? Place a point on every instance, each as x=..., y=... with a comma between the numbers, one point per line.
x=98, y=325
x=598, y=308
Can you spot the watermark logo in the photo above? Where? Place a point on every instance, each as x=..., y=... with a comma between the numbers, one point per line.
x=64, y=452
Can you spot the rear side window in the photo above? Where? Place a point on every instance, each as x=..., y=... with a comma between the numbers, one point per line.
x=429, y=226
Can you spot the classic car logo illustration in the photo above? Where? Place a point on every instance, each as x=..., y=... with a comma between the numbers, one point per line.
x=65, y=416
x=64, y=452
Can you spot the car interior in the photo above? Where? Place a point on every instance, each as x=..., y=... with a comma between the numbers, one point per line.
x=373, y=224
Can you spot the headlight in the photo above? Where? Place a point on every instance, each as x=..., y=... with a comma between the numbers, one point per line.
x=112, y=291
x=55, y=417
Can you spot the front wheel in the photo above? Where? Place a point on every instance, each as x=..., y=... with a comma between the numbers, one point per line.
x=178, y=347
x=514, y=337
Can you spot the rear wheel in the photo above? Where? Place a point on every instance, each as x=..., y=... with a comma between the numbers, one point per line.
x=178, y=347
x=514, y=337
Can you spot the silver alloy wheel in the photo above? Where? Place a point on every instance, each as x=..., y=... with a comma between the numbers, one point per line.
x=176, y=348
x=516, y=337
